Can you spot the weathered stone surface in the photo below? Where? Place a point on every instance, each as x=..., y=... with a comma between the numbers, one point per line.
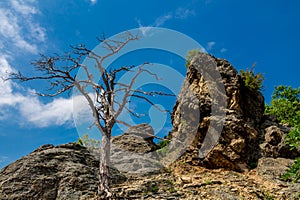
x=199, y=183
x=271, y=169
x=274, y=144
x=239, y=142
x=137, y=139
x=53, y=172
x=134, y=151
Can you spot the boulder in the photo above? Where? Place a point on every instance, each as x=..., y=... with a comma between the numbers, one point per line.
x=53, y=172
x=137, y=139
x=274, y=144
x=134, y=151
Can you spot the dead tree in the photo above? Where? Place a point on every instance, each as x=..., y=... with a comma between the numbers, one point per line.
x=60, y=72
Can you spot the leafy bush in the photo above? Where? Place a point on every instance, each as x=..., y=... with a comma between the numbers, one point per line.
x=268, y=196
x=252, y=80
x=292, y=174
x=163, y=143
x=88, y=142
x=293, y=137
x=285, y=105
x=190, y=55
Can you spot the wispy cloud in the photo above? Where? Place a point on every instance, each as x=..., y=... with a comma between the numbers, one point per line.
x=23, y=8
x=210, y=45
x=162, y=19
x=3, y=159
x=183, y=13
x=180, y=13
x=223, y=50
x=93, y=2
x=28, y=106
x=144, y=29
x=18, y=28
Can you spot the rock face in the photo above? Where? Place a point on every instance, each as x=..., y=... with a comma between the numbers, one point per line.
x=271, y=169
x=247, y=134
x=62, y=172
x=237, y=146
x=137, y=139
x=134, y=151
x=274, y=141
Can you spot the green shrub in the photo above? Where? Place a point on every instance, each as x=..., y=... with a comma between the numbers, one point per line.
x=163, y=151
x=292, y=174
x=268, y=196
x=293, y=137
x=285, y=105
x=252, y=80
x=190, y=55
x=163, y=143
x=88, y=142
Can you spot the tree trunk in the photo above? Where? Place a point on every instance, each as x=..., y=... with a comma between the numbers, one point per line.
x=104, y=191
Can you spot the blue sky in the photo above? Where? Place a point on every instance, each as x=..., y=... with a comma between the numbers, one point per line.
x=243, y=32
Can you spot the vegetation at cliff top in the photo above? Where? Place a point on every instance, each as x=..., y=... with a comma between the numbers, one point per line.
x=190, y=55
x=252, y=80
x=88, y=142
x=285, y=105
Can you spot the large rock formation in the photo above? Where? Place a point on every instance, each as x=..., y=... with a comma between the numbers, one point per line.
x=62, y=172
x=245, y=126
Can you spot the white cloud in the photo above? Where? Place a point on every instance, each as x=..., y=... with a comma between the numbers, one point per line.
x=210, y=45
x=93, y=2
x=58, y=112
x=23, y=34
x=37, y=32
x=4, y=70
x=29, y=107
x=23, y=8
x=18, y=28
x=179, y=13
x=3, y=159
x=162, y=19
x=183, y=13
x=144, y=29
x=223, y=50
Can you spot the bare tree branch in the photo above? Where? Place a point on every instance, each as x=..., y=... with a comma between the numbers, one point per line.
x=150, y=102
x=60, y=72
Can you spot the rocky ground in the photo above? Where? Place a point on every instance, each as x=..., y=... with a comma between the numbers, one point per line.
x=69, y=171
x=188, y=182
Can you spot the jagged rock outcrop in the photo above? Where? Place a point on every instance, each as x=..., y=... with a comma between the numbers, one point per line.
x=247, y=134
x=53, y=172
x=237, y=146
